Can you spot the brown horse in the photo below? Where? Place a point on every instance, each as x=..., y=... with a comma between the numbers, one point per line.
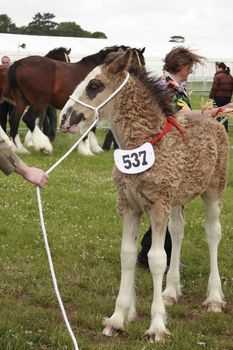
x=41, y=82
x=61, y=54
x=161, y=165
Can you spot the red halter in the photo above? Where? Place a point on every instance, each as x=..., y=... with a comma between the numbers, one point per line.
x=170, y=121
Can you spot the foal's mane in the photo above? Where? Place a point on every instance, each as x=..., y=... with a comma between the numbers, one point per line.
x=157, y=88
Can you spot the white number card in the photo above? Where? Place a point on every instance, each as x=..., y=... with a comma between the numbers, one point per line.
x=136, y=160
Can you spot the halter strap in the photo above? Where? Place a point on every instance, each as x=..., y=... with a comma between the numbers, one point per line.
x=96, y=109
x=170, y=121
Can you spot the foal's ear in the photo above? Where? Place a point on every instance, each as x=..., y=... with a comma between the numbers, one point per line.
x=121, y=62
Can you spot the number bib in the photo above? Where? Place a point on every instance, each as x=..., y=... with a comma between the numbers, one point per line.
x=136, y=160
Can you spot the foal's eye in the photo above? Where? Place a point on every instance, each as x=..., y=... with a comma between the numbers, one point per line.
x=94, y=87
x=94, y=84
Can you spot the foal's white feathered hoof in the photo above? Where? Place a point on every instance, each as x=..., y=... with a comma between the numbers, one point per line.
x=214, y=306
x=158, y=336
x=169, y=300
x=110, y=330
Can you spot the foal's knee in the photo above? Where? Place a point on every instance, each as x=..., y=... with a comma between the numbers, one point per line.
x=157, y=260
x=128, y=258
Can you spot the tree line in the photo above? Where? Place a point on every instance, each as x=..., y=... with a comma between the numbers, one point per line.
x=44, y=24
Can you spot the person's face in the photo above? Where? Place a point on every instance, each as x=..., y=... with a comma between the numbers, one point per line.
x=184, y=72
x=5, y=62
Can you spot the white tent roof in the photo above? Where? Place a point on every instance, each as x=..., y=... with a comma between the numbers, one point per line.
x=10, y=44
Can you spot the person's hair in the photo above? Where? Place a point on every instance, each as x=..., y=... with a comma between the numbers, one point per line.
x=222, y=66
x=179, y=57
x=5, y=57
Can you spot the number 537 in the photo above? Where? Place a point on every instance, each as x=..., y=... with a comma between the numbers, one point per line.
x=134, y=159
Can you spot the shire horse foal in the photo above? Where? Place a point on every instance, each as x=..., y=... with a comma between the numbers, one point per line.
x=190, y=160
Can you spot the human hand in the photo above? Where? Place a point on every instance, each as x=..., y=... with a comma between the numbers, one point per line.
x=34, y=175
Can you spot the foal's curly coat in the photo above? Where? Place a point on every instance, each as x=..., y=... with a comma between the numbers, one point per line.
x=184, y=168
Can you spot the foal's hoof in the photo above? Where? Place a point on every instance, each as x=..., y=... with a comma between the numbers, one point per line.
x=110, y=331
x=169, y=300
x=158, y=336
x=214, y=306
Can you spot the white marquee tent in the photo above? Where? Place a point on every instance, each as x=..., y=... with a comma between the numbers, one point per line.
x=11, y=45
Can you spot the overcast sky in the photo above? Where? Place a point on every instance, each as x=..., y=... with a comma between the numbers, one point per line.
x=201, y=22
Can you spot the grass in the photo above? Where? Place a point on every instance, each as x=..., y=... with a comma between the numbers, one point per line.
x=84, y=234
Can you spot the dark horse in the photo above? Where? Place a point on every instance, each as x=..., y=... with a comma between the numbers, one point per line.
x=59, y=54
x=40, y=82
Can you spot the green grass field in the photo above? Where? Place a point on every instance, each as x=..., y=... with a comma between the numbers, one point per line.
x=84, y=234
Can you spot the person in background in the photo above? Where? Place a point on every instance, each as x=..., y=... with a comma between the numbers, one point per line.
x=10, y=162
x=222, y=87
x=178, y=65
x=5, y=106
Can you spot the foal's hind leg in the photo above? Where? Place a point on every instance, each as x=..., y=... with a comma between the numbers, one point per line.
x=125, y=303
x=172, y=291
x=214, y=300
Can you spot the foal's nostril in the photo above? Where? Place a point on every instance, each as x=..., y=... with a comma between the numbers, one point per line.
x=76, y=118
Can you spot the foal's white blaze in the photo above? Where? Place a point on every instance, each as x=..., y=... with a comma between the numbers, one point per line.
x=78, y=92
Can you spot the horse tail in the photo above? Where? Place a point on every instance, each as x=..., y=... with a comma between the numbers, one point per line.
x=13, y=83
x=12, y=75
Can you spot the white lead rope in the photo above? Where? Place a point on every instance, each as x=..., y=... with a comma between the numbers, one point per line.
x=96, y=110
x=46, y=239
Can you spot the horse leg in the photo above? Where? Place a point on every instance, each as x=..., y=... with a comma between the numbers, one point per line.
x=5, y=137
x=157, y=262
x=84, y=147
x=50, y=123
x=95, y=148
x=125, y=303
x=14, y=120
x=40, y=141
x=214, y=300
x=172, y=291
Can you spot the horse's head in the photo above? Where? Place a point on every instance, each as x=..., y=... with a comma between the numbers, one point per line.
x=96, y=96
x=59, y=54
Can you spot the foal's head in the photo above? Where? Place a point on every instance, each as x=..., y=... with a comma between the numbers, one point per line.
x=97, y=96
x=94, y=91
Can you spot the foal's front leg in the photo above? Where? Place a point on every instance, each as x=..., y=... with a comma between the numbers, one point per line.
x=125, y=303
x=157, y=262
